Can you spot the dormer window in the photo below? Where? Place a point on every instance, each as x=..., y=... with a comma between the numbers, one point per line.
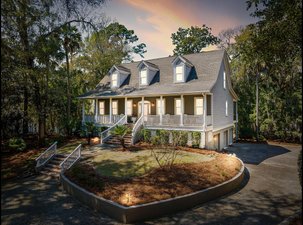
x=179, y=74
x=143, y=77
x=114, y=80
x=182, y=68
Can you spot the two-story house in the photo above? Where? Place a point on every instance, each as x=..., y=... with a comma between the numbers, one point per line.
x=190, y=92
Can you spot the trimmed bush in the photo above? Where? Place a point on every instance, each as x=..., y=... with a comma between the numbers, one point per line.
x=164, y=136
x=180, y=138
x=17, y=144
x=146, y=135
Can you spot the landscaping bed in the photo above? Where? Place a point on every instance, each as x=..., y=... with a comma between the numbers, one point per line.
x=184, y=177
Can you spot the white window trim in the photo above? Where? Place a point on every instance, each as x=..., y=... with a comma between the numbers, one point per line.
x=195, y=105
x=131, y=108
x=103, y=108
x=113, y=107
x=140, y=80
x=224, y=80
x=164, y=105
x=115, y=73
x=226, y=107
x=175, y=108
x=175, y=75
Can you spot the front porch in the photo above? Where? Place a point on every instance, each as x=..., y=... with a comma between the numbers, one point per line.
x=180, y=112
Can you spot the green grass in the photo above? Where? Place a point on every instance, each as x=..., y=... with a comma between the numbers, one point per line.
x=130, y=164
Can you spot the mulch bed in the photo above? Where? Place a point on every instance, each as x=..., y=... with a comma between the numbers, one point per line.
x=160, y=183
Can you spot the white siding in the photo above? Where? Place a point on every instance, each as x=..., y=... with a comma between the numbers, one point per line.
x=220, y=95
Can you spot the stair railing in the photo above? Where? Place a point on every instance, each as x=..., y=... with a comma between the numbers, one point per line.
x=107, y=133
x=136, y=129
x=46, y=156
x=71, y=159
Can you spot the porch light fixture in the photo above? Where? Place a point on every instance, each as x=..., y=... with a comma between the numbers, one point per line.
x=153, y=104
x=135, y=105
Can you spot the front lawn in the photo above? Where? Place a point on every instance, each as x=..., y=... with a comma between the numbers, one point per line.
x=132, y=178
x=131, y=164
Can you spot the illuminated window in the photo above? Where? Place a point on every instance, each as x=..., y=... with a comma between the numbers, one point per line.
x=143, y=77
x=226, y=108
x=115, y=107
x=101, y=108
x=179, y=73
x=129, y=107
x=224, y=80
x=199, y=106
x=158, y=105
x=114, y=80
x=178, y=110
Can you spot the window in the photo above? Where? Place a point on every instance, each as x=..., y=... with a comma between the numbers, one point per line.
x=179, y=73
x=143, y=77
x=226, y=108
x=178, y=110
x=114, y=80
x=129, y=107
x=158, y=104
x=224, y=80
x=115, y=107
x=101, y=108
x=199, y=106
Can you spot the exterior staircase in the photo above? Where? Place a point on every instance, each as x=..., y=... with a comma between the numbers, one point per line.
x=52, y=168
x=114, y=139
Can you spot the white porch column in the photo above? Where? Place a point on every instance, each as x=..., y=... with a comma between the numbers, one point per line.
x=204, y=112
x=125, y=108
x=96, y=110
x=110, y=110
x=202, y=140
x=182, y=110
x=142, y=106
x=161, y=109
x=83, y=112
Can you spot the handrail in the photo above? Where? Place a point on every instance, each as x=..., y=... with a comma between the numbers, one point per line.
x=136, y=128
x=46, y=155
x=73, y=157
x=106, y=134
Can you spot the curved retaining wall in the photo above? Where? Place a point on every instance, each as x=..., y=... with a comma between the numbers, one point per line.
x=154, y=209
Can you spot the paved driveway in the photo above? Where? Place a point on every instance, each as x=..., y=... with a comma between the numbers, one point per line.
x=270, y=193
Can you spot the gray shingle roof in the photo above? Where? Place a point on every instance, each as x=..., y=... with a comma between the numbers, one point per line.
x=205, y=70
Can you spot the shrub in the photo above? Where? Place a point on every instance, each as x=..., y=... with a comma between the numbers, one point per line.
x=17, y=144
x=196, y=136
x=155, y=140
x=164, y=136
x=300, y=167
x=146, y=135
x=179, y=138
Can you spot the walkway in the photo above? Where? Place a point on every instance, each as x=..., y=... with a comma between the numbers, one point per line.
x=270, y=193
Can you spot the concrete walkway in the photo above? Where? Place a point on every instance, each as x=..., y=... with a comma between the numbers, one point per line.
x=270, y=193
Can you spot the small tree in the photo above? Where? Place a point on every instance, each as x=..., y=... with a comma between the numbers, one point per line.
x=89, y=129
x=121, y=131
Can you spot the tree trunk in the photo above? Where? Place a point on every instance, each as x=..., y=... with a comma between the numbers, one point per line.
x=68, y=91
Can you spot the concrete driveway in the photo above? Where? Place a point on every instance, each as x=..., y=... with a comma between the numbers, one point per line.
x=270, y=193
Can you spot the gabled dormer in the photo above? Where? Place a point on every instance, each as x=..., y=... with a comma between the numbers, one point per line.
x=147, y=72
x=181, y=68
x=118, y=74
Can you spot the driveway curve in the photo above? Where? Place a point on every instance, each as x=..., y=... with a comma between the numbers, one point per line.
x=270, y=193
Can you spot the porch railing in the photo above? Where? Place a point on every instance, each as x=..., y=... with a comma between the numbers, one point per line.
x=102, y=119
x=171, y=120
x=46, y=155
x=136, y=129
x=71, y=159
x=107, y=133
x=193, y=120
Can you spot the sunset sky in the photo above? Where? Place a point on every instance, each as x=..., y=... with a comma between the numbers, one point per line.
x=155, y=20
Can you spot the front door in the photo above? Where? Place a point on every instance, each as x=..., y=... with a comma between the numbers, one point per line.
x=146, y=109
